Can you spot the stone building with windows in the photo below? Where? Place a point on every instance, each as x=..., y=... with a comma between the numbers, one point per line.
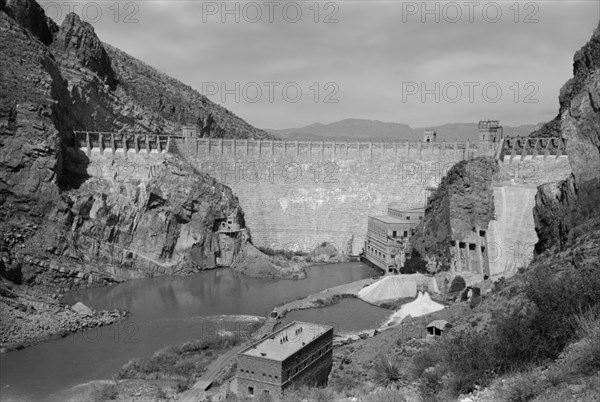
x=298, y=354
x=388, y=235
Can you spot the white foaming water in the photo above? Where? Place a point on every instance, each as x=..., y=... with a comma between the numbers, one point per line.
x=420, y=306
x=396, y=287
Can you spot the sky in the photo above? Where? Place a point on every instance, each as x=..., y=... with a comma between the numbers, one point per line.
x=284, y=64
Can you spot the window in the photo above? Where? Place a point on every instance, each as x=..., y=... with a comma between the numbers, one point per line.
x=394, y=233
x=420, y=218
x=407, y=217
x=250, y=390
x=405, y=233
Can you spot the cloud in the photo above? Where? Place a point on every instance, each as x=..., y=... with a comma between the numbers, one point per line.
x=372, y=49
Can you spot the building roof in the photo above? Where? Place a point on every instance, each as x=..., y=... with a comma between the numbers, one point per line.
x=388, y=219
x=402, y=209
x=439, y=324
x=273, y=348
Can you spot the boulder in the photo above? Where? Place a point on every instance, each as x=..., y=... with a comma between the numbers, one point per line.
x=81, y=309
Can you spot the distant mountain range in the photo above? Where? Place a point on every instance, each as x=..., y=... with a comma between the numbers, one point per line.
x=365, y=130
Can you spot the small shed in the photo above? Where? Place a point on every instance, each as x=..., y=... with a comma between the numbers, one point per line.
x=437, y=327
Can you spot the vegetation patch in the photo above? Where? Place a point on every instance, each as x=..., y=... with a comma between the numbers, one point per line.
x=182, y=362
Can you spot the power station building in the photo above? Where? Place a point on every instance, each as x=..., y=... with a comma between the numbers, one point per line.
x=388, y=235
x=298, y=354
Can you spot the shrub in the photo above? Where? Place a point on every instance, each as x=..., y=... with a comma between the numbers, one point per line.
x=558, y=298
x=343, y=383
x=183, y=385
x=294, y=394
x=388, y=371
x=386, y=395
x=426, y=358
x=320, y=395
x=457, y=285
x=514, y=339
x=524, y=386
x=430, y=382
x=583, y=356
x=468, y=356
x=588, y=328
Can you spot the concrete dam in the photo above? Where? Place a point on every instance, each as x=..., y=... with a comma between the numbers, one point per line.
x=298, y=194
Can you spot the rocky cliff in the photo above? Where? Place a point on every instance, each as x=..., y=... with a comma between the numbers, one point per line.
x=56, y=79
x=63, y=228
x=461, y=205
x=562, y=206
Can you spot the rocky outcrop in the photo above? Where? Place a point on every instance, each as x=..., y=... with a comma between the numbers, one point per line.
x=30, y=157
x=68, y=80
x=76, y=44
x=157, y=102
x=30, y=316
x=462, y=202
x=163, y=226
x=562, y=206
x=31, y=16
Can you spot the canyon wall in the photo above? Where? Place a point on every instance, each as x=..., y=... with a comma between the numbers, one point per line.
x=71, y=218
x=564, y=205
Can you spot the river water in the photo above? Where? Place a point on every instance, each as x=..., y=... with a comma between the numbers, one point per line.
x=165, y=311
x=347, y=316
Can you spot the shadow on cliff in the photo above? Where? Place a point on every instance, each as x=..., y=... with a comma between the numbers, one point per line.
x=76, y=168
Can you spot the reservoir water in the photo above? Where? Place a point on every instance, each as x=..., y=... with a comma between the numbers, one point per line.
x=348, y=315
x=165, y=311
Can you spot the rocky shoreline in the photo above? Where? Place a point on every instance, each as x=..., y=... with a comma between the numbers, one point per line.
x=30, y=316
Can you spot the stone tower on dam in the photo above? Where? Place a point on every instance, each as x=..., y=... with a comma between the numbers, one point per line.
x=298, y=194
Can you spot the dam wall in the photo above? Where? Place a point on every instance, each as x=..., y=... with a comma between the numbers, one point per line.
x=298, y=194
x=120, y=157
x=511, y=236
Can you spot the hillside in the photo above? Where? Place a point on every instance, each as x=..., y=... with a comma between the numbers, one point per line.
x=565, y=205
x=61, y=228
x=374, y=130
